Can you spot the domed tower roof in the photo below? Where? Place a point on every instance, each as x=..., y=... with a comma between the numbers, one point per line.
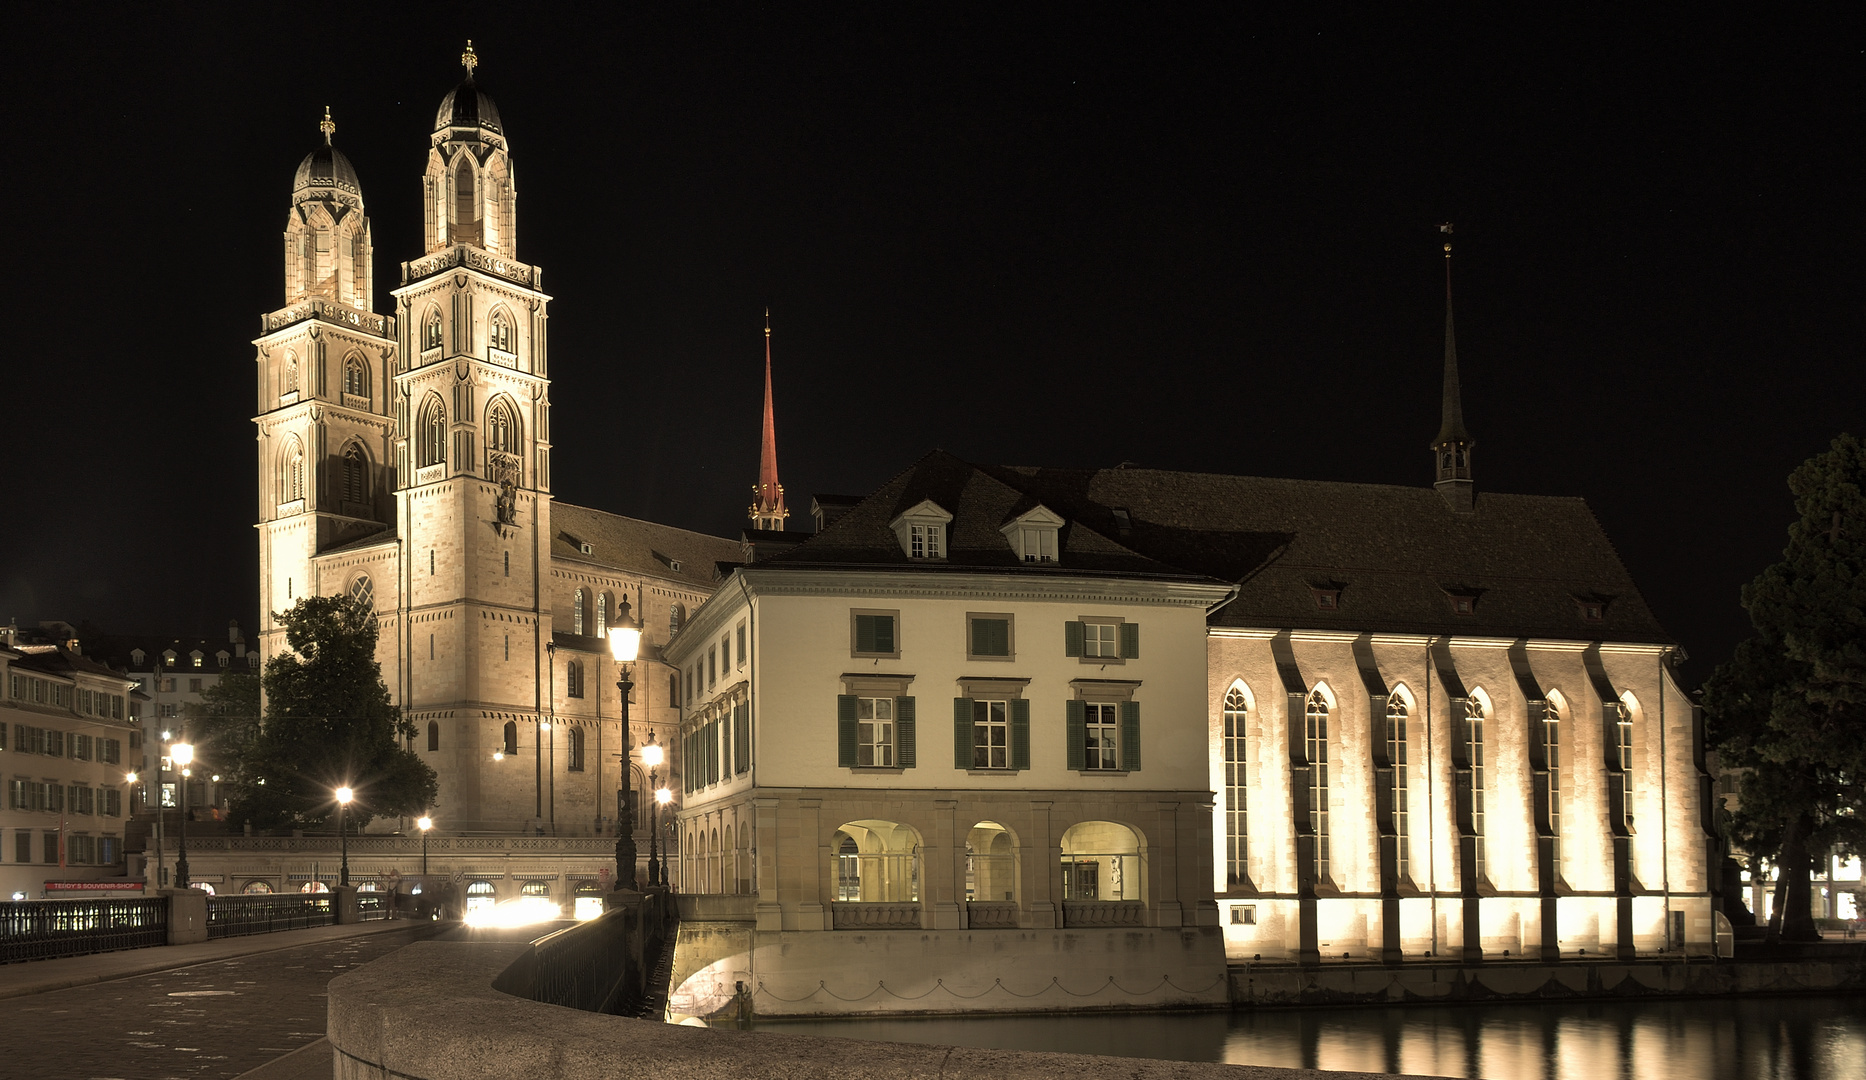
x=325, y=170
x=466, y=105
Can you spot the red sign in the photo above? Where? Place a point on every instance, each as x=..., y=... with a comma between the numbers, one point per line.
x=93, y=886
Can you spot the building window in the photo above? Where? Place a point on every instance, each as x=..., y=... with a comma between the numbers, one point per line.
x=355, y=474
x=355, y=376
x=602, y=614
x=363, y=591
x=1243, y=914
x=1623, y=741
x=431, y=436
x=848, y=870
x=434, y=735
x=1551, y=747
x=292, y=478
x=573, y=678
x=926, y=540
x=741, y=654
x=511, y=737
x=1101, y=641
x=1474, y=744
x=1315, y=734
x=508, y=564
x=1102, y=738
x=501, y=429
x=1397, y=754
x=712, y=668
x=431, y=333
x=576, y=611
x=988, y=637
x=991, y=734
x=872, y=633
x=500, y=331
x=1237, y=788
x=575, y=741
x=291, y=373
x=874, y=732
x=1327, y=599
x=674, y=612
x=673, y=689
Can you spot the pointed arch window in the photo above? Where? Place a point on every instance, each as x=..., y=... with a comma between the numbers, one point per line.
x=1474, y=746
x=290, y=385
x=579, y=604
x=355, y=376
x=1237, y=788
x=434, y=735
x=602, y=614
x=292, y=472
x=573, y=679
x=499, y=331
x=501, y=429
x=466, y=195
x=431, y=330
x=1397, y=751
x=575, y=740
x=1551, y=748
x=355, y=474
x=1315, y=736
x=432, y=433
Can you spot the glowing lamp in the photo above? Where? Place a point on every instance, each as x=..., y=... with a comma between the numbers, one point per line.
x=624, y=635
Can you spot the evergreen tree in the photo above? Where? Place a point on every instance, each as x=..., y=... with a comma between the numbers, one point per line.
x=328, y=723
x=1790, y=706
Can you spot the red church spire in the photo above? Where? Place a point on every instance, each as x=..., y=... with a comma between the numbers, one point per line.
x=767, y=510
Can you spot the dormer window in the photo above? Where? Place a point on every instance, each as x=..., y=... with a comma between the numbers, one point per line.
x=1593, y=608
x=1463, y=599
x=1033, y=535
x=196, y=657
x=1327, y=599
x=922, y=531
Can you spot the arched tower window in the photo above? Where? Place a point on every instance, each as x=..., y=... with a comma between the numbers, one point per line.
x=573, y=679
x=363, y=591
x=1315, y=735
x=355, y=474
x=466, y=200
x=511, y=737
x=501, y=430
x=1397, y=751
x=434, y=735
x=578, y=605
x=432, y=433
x=575, y=741
x=292, y=472
x=355, y=376
x=431, y=330
x=1237, y=791
x=602, y=614
x=290, y=385
x=499, y=331
x=1474, y=744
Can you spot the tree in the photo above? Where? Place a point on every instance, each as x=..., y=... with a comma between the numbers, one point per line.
x=225, y=723
x=328, y=723
x=1790, y=706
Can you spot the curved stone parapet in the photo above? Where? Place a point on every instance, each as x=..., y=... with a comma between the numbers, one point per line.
x=429, y=1012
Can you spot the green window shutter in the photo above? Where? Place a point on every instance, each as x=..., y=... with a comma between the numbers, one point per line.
x=712, y=752
x=962, y=733
x=991, y=637
x=744, y=756
x=865, y=633
x=904, y=732
x=1020, y=733
x=1072, y=638
x=884, y=633
x=845, y=731
x=1130, y=736
x=1130, y=640
x=1076, y=725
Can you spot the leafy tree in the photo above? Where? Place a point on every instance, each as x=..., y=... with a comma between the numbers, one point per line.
x=225, y=723
x=1790, y=706
x=328, y=724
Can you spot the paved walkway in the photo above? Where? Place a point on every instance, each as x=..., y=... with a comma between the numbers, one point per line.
x=219, y=1009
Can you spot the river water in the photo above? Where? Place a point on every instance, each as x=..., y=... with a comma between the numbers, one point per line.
x=1759, y=1038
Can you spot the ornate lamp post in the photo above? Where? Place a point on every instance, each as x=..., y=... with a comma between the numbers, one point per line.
x=624, y=644
x=183, y=753
x=424, y=823
x=344, y=795
x=652, y=755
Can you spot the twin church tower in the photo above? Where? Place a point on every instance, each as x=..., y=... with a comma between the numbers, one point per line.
x=405, y=460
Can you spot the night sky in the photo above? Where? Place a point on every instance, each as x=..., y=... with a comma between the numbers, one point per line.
x=1072, y=236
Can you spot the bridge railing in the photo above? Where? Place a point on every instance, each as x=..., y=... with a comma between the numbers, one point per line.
x=238, y=916
x=47, y=929
x=602, y=965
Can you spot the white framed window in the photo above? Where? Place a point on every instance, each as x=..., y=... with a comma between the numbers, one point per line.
x=922, y=530
x=1243, y=914
x=874, y=727
x=1033, y=535
x=1101, y=748
x=991, y=734
x=926, y=541
x=1315, y=738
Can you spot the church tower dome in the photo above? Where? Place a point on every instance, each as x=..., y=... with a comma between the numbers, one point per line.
x=328, y=252
x=470, y=197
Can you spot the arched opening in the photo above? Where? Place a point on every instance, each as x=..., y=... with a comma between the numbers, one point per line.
x=573, y=678
x=602, y=614
x=290, y=384
x=431, y=330
x=1315, y=741
x=499, y=331
x=1237, y=785
x=1102, y=861
x=434, y=735
x=466, y=201
x=314, y=887
x=511, y=737
x=573, y=741
x=883, y=867
x=990, y=863
x=578, y=605
x=588, y=900
x=355, y=475
x=1551, y=735
x=355, y=376
x=292, y=471
x=479, y=894
x=1625, y=732
x=431, y=439
x=257, y=887
x=1476, y=715
x=1399, y=750
x=535, y=888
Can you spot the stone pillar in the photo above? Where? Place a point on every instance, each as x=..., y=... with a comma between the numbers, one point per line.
x=1163, y=875
x=1042, y=870
x=765, y=848
x=813, y=857
x=187, y=916
x=1301, y=771
x=944, y=870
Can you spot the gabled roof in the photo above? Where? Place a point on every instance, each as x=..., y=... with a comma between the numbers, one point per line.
x=638, y=547
x=1397, y=555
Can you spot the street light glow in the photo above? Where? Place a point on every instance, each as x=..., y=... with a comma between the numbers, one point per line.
x=182, y=753
x=344, y=795
x=663, y=796
x=624, y=635
x=424, y=823
x=652, y=755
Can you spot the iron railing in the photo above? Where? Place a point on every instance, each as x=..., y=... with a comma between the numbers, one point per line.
x=371, y=906
x=46, y=929
x=238, y=916
x=401, y=845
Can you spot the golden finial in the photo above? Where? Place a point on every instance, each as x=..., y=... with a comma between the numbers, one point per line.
x=469, y=59
x=328, y=127
x=1446, y=229
x=767, y=322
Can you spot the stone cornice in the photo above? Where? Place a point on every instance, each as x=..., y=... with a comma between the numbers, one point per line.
x=378, y=327
x=999, y=588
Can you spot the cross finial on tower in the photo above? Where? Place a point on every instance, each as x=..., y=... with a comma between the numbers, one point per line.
x=469, y=59
x=328, y=127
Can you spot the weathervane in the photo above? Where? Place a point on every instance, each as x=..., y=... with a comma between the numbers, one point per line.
x=328, y=127
x=469, y=59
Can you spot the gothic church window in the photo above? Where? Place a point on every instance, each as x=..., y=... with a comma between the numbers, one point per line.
x=1315, y=734
x=355, y=474
x=292, y=472
x=500, y=429
x=466, y=200
x=1237, y=791
x=573, y=678
x=500, y=331
x=575, y=739
x=434, y=735
x=602, y=614
x=363, y=591
x=1397, y=752
x=1474, y=736
x=577, y=605
x=291, y=374
x=431, y=332
x=355, y=377
x=432, y=433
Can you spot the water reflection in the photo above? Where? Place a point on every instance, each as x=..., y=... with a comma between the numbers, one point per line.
x=1792, y=1038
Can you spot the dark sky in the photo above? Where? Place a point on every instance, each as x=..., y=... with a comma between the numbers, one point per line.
x=1067, y=236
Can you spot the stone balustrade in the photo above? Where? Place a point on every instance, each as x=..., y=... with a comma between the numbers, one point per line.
x=1104, y=913
x=850, y=915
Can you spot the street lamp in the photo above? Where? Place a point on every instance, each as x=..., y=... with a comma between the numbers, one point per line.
x=652, y=755
x=183, y=753
x=424, y=823
x=624, y=644
x=344, y=795
x=663, y=796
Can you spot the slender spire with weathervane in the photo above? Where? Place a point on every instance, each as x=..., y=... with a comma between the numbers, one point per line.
x=328, y=127
x=1452, y=448
x=767, y=511
x=469, y=60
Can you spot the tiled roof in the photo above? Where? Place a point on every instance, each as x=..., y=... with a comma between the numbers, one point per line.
x=1392, y=552
x=638, y=547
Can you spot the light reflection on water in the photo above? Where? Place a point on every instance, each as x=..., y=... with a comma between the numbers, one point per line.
x=1780, y=1038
